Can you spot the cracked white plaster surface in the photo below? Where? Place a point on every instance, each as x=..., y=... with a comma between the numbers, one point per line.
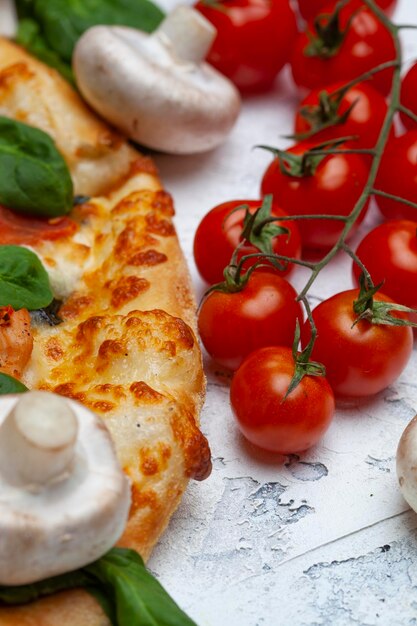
x=323, y=539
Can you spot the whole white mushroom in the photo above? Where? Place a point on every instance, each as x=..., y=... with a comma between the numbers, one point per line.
x=407, y=463
x=156, y=88
x=64, y=499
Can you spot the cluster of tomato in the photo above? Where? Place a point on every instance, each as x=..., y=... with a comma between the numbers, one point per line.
x=247, y=323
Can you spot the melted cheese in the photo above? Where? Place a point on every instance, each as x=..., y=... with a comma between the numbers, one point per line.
x=118, y=353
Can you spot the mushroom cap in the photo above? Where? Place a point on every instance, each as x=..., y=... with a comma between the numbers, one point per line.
x=138, y=83
x=407, y=463
x=62, y=525
x=8, y=18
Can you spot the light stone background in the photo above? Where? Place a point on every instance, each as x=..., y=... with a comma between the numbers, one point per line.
x=325, y=539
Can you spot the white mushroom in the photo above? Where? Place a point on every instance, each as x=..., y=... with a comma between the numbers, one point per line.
x=407, y=463
x=64, y=499
x=155, y=88
x=8, y=18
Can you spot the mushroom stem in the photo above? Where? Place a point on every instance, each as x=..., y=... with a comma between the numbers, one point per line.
x=8, y=18
x=37, y=439
x=188, y=33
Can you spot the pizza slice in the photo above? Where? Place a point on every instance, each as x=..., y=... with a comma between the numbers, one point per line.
x=126, y=346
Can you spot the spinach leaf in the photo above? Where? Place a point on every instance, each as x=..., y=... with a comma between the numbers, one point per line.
x=127, y=592
x=30, y=37
x=139, y=598
x=34, y=178
x=62, y=22
x=8, y=384
x=24, y=282
x=23, y=594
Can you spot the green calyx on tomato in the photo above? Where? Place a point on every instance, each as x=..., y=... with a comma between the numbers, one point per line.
x=377, y=312
x=259, y=230
x=325, y=114
x=303, y=365
x=306, y=163
x=329, y=35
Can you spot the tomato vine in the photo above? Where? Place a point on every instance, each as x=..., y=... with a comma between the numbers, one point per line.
x=376, y=155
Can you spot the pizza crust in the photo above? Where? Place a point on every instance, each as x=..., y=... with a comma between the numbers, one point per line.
x=127, y=347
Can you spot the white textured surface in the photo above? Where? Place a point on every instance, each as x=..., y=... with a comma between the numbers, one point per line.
x=322, y=540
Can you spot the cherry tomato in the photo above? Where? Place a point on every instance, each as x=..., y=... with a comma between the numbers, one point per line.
x=360, y=360
x=367, y=43
x=264, y=313
x=333, y=189
x=219, y=234
x=409, y=97
x=364, y=120
x=264, y=417
x=254, y=40
x=397, y=175
x=309, y=9
x=389, y=253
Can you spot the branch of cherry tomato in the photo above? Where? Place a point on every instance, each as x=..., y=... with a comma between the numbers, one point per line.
x=275, y=385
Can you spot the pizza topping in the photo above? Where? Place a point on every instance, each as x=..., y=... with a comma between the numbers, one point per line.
x=8, y=384
x=48, y=314
x=25, y=230
x=156, y=88
x=24, y=282
x=34, y=178
x=16, y=341
x=64, y=498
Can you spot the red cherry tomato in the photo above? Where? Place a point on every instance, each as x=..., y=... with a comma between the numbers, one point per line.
x=254, y=40
x=219, y=234
x=333, y=189
x=309, y=9
x=409, y=97
x=264, y=313
x=265, y=418
x=360, y=360
x=364, y=121
x=397, y=175
x=389, y=253
x=367, y=43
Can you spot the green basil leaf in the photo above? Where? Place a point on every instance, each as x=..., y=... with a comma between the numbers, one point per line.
x=119, y=580
x=62, y=22
x=24, y=282
x=22, y=594
x=139, y=598
x=29, y=36
x=8, y=384
x=34, y=178
x=105, y=602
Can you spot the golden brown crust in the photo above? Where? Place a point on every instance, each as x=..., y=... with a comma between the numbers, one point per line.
x=72, y=608
x=123, y=348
